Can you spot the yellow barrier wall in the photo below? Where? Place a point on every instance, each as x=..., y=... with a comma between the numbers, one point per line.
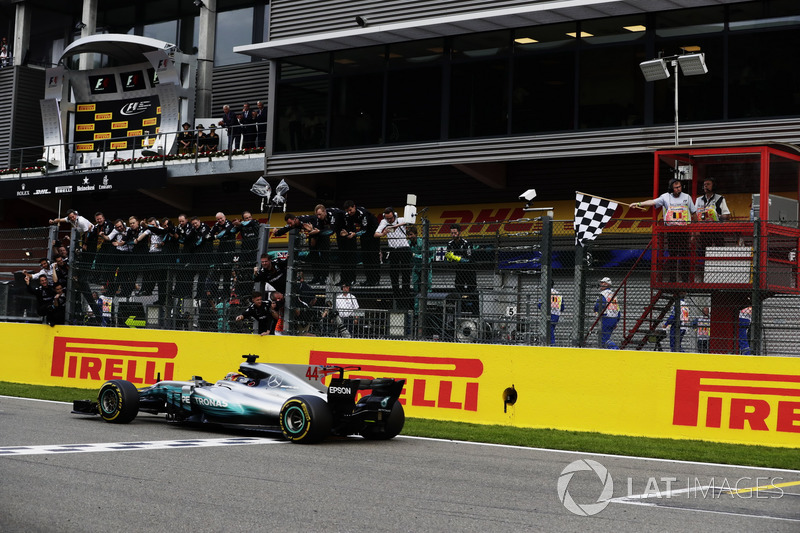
x=739, y=399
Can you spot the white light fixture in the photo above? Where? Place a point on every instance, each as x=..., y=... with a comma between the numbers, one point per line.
x=690, y=65
x=693, y=64
x=655, y=69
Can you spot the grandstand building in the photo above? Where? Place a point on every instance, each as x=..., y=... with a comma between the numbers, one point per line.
x=458, y=102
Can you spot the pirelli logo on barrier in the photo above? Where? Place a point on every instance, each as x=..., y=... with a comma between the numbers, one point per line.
x=86, y=107
x=85, y=147
x=101, y=136
x=737, y=400
x=439, y=382
x=119, y=145
x=84, y=127
x=119, y=125
x=134, y=133
x=139, y=362
x=149, y=121
x=103, y=116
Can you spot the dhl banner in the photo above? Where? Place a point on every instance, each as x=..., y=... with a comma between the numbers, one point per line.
x=722, y=398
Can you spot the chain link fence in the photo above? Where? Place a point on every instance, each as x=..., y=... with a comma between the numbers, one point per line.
x=21, y=250
x=520, y=282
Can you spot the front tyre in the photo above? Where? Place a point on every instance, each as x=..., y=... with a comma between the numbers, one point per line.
x=393, y=426
x=118, y=401
x=306, y=419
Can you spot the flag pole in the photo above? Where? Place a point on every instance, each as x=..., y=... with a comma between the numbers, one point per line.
x=610, y=200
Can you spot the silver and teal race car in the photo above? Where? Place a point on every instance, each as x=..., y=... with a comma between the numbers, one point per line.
x=290, y=398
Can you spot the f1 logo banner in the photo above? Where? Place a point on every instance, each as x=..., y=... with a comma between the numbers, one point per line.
x=758, y=402
x=139, y=362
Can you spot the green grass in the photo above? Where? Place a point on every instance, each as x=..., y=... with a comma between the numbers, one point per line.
x=686, y=450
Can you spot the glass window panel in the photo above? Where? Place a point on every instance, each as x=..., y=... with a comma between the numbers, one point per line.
x=416, y=53
x=763, y=79
x=414, y=105
x=611, y=87
x=544, y=38
x=478, y=45
x=758, y=15
x=356, y=117
x=164, y=31
x=690, y=21
x=359, y=60
x=479, y=99
x=301, y=119
x=234, y=28
x=304, y=66
x=543, y=93
x=613, y=30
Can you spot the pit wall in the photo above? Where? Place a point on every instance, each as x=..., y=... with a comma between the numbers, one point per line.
x=723, y=398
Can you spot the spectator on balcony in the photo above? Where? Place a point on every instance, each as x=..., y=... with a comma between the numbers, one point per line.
x=231, y=124
x=678, y=210
x=5, y=53
x=248, y=125
x=608, y=309
x=417, y=247
x=212, y=139
x=186, y=139
x=202, y=139
x=260, y=115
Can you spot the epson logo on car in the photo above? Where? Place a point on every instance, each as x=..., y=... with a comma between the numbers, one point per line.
x=210, y=402
x=340, y=390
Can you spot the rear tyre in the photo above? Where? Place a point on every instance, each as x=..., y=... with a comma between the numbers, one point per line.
x=392, y=427
x=118, y=401
x=306, y=419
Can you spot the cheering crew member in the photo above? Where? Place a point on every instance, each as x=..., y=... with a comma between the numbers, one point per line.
x=312, y=227
x=120, y=238
x=261, y=313
x=459, y=250
x=331, y=221
x=224, y=232
x=55, y=311
x=359, y=221
x=394, y=228
x=272, y=273
x=43, y=292
x=76, y=221
x=99, y=250
x=200, y=245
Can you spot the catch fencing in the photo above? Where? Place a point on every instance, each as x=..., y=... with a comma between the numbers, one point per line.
x=520, y=282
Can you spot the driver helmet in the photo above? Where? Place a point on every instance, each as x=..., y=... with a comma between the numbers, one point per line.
x=233, y=376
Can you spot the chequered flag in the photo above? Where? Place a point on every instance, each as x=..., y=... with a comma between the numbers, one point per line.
x=591, y=216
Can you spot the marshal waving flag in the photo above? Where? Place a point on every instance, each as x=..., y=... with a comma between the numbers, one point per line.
x=592, y=213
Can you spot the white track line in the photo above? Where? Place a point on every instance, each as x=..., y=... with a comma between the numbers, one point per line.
x=53, y=449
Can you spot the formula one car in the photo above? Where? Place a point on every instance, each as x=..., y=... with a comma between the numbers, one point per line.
x=289, y=398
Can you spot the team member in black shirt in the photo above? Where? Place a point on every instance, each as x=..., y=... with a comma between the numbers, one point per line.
x=359, y=221
x=261, y=313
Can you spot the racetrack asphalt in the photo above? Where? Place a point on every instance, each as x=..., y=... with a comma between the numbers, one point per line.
x=153, y=476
